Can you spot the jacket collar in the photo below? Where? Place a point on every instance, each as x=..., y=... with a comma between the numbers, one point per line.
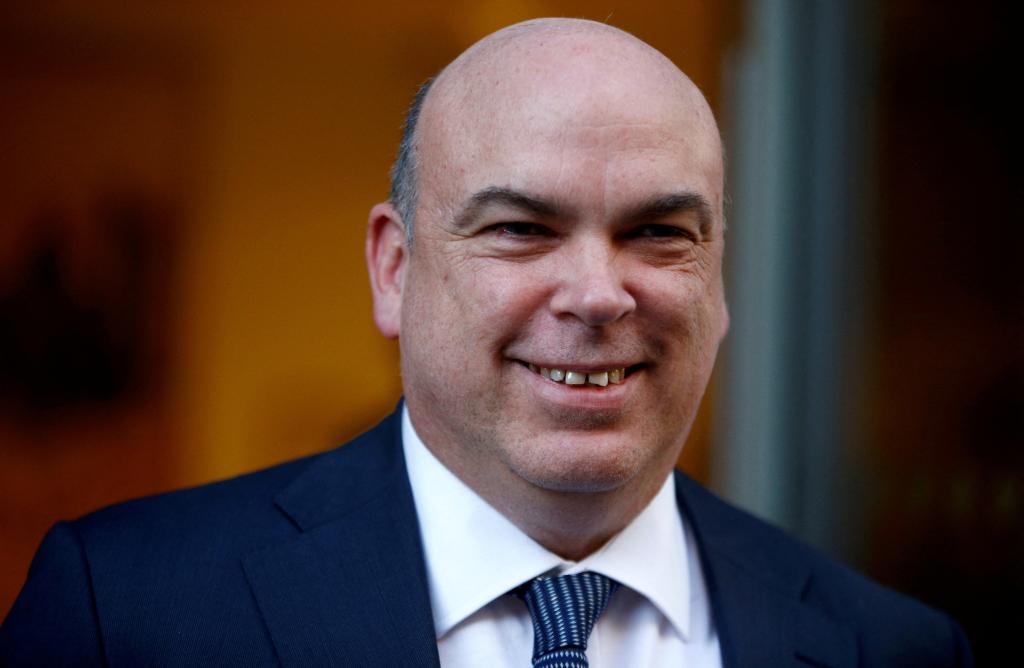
x=350, y=587
x=357, y=540
x=758, y=584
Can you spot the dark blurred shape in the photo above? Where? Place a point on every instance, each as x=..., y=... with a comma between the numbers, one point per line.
x=950, y=441
x=53, y=350
x=996, y=422
x=65, y=342
x=97, y=137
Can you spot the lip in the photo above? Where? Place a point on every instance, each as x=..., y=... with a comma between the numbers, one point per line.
x=581, y=397
x=583, y=368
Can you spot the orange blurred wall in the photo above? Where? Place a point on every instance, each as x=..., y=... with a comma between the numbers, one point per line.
x=267, y=132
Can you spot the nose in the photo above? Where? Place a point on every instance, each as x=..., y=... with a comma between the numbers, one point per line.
x=591, y=286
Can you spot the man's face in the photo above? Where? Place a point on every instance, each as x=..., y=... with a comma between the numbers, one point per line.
x=575, y=229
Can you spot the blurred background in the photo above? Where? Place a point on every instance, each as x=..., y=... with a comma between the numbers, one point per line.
x=183, y=296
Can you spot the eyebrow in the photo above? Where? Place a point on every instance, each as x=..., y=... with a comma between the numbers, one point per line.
x=657, y=207
x=667, y=205
x=507, y=197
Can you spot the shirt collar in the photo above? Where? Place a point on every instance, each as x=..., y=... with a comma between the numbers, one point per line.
x=474, y=554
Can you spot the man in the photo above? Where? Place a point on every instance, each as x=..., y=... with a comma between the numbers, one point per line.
x=550, y=262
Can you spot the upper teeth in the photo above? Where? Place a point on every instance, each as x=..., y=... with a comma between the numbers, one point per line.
x=601, y=378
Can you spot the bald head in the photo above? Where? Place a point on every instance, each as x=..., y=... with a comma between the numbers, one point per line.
x=571, y=71
x=571, y=54
x=567, y=220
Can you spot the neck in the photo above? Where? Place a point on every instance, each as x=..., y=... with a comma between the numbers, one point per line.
x=571, y=524
x=572, y=519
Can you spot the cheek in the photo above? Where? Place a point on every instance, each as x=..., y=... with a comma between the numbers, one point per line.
x=497, y=297
x=688, y=313
x=673, y=294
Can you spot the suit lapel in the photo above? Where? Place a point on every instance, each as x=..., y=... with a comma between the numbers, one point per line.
x=350, y=588
x=757, y=585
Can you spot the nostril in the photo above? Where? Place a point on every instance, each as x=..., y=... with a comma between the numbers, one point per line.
x=605, y=306
x=595, y=302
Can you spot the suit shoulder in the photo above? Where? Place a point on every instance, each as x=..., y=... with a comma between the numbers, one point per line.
x=234, y=507
x=119, y=578
x=164, y=576
x=891, y=626
x=196, y=507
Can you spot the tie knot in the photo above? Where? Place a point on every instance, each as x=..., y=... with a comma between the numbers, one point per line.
x=564, y=610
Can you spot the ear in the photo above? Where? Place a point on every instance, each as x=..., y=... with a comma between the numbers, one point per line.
x=386, y=258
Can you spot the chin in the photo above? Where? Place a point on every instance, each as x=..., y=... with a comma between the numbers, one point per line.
x=570, y=484
x=580, y=466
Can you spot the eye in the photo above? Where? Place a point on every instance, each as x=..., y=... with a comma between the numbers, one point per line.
x=516, y=230
x=659, y=231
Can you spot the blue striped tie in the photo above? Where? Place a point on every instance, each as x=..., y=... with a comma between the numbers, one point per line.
x=564, y=610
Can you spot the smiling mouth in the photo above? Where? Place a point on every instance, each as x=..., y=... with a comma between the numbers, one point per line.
x=583, y=378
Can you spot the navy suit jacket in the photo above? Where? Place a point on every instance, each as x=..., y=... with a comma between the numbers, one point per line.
x=318, y=562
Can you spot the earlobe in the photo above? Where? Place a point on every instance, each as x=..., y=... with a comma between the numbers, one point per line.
x=725, y=320
x=386, y=257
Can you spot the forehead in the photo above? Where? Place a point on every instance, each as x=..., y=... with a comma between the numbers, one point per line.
x=581, y=121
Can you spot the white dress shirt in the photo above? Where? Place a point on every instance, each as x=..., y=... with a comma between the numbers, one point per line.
x=660, y=616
